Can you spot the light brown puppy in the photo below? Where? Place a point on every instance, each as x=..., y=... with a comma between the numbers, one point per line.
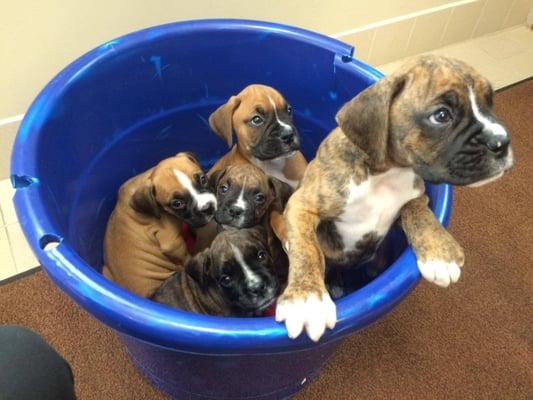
x=266, y=136
x=431, y=120
x=143, y=243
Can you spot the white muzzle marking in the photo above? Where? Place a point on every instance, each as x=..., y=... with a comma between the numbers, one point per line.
x=240, y=200
x=202, y=200
x=250, y=276
x=493, y=127
x=283, y=124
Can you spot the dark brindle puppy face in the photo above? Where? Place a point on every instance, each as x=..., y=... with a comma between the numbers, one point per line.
x=179, y=187
x=262, y=121
x=240, y=268
x=244, y=194
x=434, y=115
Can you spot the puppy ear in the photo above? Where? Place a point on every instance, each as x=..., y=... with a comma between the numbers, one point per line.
x=221, y=121
x=143, y=200
x=281, y=192
x=198, y=267
x=190, y=156
x=215, y=178
x=365, y=118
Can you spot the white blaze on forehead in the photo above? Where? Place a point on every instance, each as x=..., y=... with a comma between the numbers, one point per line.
x=250, y=275
x=493, y=127
x=283, y=124
x=240, y=200
x=201, y=199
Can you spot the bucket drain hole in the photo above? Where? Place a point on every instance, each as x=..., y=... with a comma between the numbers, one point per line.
x=23, y=181
x=49, y=242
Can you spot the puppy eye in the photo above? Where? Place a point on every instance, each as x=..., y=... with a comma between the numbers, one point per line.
x=225, y=280
x=289, y=109
x=261, y=255
x=223, y=188
x=260, y=198
x=203, y=180
x=257, y=120
x=441, y=116
x=177, y=204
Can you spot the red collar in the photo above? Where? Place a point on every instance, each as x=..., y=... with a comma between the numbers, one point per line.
x=188, y=236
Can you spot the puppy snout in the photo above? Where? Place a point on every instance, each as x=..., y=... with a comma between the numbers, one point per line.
x=287, y=136
x=497, y=144
x=259, y=289
x=235, y=211
x=208, y=209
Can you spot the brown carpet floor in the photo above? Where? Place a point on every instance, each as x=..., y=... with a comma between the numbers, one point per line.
x=471, y=341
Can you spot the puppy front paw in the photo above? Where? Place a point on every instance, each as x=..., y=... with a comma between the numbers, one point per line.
x=440, y=258
x=308, y=310
x=440, y=272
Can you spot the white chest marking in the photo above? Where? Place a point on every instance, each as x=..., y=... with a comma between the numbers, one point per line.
x=250, y=276
x=283, y=124
x=374, y=204
x=203, y=200
x=493, y=127
x=274, y=168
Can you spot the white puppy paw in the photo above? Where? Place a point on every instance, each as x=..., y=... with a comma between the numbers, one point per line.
x=309, y=312
x=441, y=273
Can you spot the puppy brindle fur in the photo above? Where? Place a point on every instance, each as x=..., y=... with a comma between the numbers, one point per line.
x=247, y=197
x=430, y=120
x=143, y=243
x=234, y=277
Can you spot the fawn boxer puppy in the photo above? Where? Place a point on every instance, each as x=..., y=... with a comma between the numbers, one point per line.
x=143, y=243
x=266, y=136
x=234, y=277
x=430, y=120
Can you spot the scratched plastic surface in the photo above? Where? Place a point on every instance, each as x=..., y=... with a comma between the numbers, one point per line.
x=119, y=109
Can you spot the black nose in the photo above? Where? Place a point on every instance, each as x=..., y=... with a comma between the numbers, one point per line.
x=235, y=211
x=497, y=144
x=208, y=210
x=287, y=137
x=258, y=289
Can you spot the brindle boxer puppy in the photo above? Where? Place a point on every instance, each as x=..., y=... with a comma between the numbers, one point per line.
x=143, y=243
x=431, y=120
x=245, y=195
x=266, y=136
x=234, y=277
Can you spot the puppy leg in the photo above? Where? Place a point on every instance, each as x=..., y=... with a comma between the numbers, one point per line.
x=172, y=246
x=305, y=303
x=439, y=256
x=278, y=225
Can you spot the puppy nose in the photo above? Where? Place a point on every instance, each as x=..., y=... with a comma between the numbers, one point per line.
x=235, y=211
x=207, y=208
x=258, y=289
x=498, y=144
x=287, y=137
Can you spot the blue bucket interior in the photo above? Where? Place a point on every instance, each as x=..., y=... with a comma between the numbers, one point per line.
x=135, y=100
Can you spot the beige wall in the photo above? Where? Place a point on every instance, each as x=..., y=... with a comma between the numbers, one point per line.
x=39, y=37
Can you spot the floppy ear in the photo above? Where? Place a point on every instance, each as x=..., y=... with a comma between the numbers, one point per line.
x=221, y=121
x=281, y=192
x=143, y=200
x=198, y=267
x=365, y=118
x=215, y=178
x=191, y=156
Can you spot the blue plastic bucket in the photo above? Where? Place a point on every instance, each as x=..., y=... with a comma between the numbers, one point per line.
x=145, y=96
